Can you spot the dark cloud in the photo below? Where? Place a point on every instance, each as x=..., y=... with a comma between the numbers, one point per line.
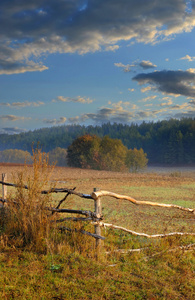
x=29, y=29
x=170, y=82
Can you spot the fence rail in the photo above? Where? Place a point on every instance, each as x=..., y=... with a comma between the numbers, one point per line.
x=95, y=217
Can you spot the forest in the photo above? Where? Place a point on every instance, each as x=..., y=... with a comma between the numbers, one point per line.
x=165, y=142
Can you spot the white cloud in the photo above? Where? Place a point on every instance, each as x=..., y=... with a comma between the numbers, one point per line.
x=22, y=104
x=126, y=68
x=59, y=121
x=146, y=89
x=149, y=98
x=187, y=57
x=112, y=48
x=13, y=118
x=78, y=99
x=146, y=64
x=167, y=103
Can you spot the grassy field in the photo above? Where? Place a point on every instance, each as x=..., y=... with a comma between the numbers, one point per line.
x=70, y=270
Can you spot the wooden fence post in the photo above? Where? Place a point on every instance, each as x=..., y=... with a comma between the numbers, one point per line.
x=98, y=211
x=4, y=187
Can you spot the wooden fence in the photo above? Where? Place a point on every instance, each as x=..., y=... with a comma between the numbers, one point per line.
x=96, y=217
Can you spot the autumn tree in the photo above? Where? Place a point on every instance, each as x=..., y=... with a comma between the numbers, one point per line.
x=136, y=159
x=84, y=152
x=91, y=152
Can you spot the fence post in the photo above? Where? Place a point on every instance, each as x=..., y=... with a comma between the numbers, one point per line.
x=98, y=211
x=4, y=187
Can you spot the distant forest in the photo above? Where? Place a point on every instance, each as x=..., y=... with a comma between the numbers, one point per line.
x=165, y=142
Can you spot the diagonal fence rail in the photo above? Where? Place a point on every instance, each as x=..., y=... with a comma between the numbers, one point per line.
x=96, y=216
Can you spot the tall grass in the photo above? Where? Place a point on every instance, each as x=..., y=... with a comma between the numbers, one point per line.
x=26, y=222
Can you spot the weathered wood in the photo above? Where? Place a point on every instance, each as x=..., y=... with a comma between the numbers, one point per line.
x=4, y=187
x=126, y=251
x=83, y=232
x=87, y=213
x=14, y=185
x=65, y=190
x=63, y=200
x=142, y=234
x=98, y=211
x=96, y=194
x=72, y=219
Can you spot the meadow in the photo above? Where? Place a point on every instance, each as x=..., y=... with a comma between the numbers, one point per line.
x=164, y=269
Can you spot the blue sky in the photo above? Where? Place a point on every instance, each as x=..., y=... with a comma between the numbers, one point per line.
x=90, y=62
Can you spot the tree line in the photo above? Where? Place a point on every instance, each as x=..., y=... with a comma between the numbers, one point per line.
x=165, y=142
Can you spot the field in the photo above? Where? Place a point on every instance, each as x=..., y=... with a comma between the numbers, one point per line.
x=163, y=270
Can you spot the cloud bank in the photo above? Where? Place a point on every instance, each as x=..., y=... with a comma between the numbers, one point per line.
x=33, y=28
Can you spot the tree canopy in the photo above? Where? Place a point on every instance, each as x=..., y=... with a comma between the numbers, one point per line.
x=104, y=153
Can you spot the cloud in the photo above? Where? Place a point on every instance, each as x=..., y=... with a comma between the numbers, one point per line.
x=148, y=98
x=167, y=103
x=126, y=68
x=192, y=102
x=146, y=64
x=22, y=104
x=33, y=28
x=191, y=70
x=131, y=90
x=187, y=57
x=78, y=99
x=13, y=118
x=178, y=83
x=112, y=48
x=187, y=114
x=61, y=120
x=115, y=114
x=11, y=130
x=74, y=120
x=146, y=89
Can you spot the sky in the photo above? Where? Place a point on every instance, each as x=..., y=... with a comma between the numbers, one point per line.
x=90, y=62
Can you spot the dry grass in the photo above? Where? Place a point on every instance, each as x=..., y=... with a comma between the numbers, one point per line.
x=69, y=270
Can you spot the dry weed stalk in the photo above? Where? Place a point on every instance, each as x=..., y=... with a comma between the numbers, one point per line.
x=27, y=222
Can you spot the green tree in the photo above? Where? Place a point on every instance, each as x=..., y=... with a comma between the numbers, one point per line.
x=136, y=159
x=112, y=154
